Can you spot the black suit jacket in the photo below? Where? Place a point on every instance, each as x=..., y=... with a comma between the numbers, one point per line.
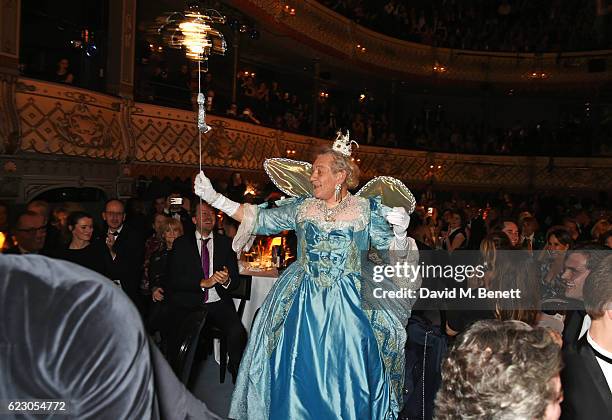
x=186, y=270
x=586, y=392
x=573, y=324
x=128, y=264
x=188, y=226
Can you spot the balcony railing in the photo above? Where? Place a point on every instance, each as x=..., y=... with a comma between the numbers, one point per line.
x=60, y=121
x=332, y=33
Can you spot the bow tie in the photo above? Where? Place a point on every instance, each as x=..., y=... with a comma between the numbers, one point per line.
x=115, y=234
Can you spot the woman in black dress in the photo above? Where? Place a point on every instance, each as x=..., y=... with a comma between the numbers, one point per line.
x=456, y=237
x=81, y=250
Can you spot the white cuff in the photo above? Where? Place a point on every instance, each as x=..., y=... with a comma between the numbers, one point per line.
x=244, y=238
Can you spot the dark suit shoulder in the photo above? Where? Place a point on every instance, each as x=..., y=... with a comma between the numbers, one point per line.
x=224, y=241
x=183, y=242
x=584, y=385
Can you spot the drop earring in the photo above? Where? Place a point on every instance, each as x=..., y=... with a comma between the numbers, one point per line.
x=338, y=190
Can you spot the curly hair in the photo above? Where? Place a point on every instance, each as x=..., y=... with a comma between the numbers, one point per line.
x=343, y=163
x=499, y=370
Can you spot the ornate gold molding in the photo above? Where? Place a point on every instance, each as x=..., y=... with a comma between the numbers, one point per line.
x=61, y=120
x=318, y=26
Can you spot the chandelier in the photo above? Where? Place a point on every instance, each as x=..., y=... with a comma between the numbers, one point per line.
x=192, y=31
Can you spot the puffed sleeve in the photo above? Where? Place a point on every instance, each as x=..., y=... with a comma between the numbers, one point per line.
x=392, y=252
x=258, y=220
x=381, y=233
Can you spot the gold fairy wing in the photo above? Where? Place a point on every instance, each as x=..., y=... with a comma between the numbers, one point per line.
x=290, y=176
x=392, y=191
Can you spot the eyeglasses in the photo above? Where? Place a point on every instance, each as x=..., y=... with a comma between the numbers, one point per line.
x=114, y=213
x=32, y=231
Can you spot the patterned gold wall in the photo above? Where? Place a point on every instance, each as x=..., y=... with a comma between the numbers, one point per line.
x=63, y=121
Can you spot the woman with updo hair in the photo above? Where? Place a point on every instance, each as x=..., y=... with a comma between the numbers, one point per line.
x=315, y=350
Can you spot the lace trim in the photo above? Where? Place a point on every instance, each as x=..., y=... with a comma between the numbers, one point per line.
x=244, y=238
x=356, y=215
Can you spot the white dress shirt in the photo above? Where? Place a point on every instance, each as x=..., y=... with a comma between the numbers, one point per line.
x=111, y=232
x=118, y=230
x=606, y=367
x=213, y=296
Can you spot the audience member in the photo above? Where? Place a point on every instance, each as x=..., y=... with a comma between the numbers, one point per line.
x=578, y=264
x=158, y=276
x=59, y=219
x=456, y=236
x=587, y=375
x=63, y=74
x=236, y=187
x=202, y=272
x=530, y=238
x=159, y=205
x=53, y=238
x=81, y=249
x=510, y=228
x=124, y=248
x=606, y=239
x=501, y=370
x=29, y=234
x=152, y=245
x=506, y=271
x=174, y=209
x=558, y=242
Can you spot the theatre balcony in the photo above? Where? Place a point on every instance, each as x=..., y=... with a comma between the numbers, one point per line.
x=106, y=106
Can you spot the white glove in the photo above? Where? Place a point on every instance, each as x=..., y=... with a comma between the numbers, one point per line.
x=398, y=218
x=204, y=189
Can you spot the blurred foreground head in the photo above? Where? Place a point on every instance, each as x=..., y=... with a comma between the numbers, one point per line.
x=70, y=334
x=503, y=370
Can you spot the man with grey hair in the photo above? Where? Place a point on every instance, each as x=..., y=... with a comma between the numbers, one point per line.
x=503, y=370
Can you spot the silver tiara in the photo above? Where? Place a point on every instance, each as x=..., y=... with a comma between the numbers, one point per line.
x=343, y=144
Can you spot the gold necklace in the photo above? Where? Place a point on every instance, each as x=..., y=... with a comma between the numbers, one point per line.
x=330, y=214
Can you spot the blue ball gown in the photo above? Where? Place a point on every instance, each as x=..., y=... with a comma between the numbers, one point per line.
x=314, y=351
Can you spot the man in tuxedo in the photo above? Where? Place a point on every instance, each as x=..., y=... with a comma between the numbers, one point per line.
x=124, y=251
x=530, y=238
x=203, y=271
x=587, y=376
